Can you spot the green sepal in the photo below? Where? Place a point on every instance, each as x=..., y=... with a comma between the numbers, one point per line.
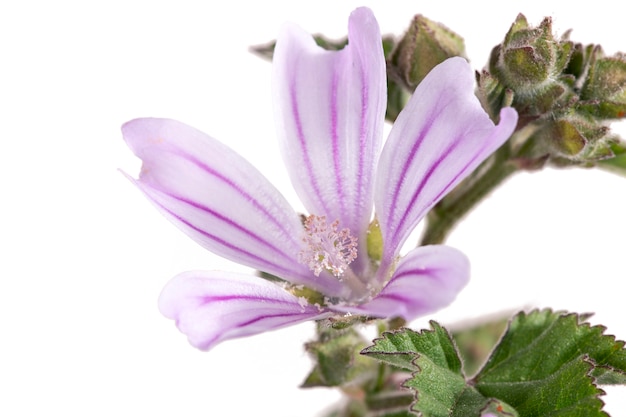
x=336, y=357
x=492, y=94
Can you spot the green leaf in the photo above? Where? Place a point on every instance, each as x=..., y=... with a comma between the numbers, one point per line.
x=438, y=383
x=546, y=364
x=475, y=343
x=568, y=391
x=402, y=347
x=538, y=344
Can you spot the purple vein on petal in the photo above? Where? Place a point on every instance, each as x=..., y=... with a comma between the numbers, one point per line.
x=405, y=168
x=262, y=261
x=423, y=273
x=438, y=163
x=427, y=272
x=238, y=189
x=302, y=141
x=257, y=319
x=423, y=183
x=362, y=136
x=393, y=296
x=334, y=134
x=230, y=223
x=297, y=318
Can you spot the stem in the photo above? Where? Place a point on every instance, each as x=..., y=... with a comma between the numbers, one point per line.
x=452, y=208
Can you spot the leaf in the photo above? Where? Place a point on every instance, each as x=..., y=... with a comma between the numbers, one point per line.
x=475, y=343
x=546, y=364
x=569, y=391
x=537, y=344
x=438, y=382
x=401, y=348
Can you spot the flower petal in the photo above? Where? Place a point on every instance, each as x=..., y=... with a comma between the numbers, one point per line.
x=220, y=200
x=427, y=279
x=439, y=138
x=330, y=109
x=210, y=307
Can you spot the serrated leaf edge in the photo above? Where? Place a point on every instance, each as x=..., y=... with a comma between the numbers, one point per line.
x=581, y=321
x=416, y=355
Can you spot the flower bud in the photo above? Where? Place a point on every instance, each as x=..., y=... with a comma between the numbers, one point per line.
x=604, y=92
x=530, y=62
x=572, y=140
x=424, y=45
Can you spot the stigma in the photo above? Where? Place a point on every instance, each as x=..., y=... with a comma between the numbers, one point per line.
x=326, y=247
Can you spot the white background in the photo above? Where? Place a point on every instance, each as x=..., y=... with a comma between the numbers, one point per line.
x=84, y=256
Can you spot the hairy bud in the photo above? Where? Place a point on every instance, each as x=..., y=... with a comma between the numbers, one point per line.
x=424, y=45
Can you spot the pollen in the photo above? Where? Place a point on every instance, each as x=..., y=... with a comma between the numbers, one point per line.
x=326, y=247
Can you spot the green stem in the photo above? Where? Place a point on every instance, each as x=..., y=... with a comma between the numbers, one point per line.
x=452, y=208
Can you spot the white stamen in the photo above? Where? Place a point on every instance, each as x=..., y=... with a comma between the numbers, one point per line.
x=327, y=249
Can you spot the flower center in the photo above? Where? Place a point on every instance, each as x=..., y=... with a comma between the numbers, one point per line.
x=327, y=248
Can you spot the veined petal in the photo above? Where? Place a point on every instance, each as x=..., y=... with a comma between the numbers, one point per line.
x=219, y=199
x=427, y=279
x=439, y=138
x=330, y=110
x=210, y=306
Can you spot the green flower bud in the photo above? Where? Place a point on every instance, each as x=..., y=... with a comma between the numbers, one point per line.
x=424, y=45
x=530, y=62
x=528, y=54
x=604, y=92
x=572, y=140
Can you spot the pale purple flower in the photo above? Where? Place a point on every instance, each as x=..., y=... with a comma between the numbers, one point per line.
x=330, y=110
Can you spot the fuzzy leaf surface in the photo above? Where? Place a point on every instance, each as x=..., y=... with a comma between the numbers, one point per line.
x=546, y=364
x=438, y=382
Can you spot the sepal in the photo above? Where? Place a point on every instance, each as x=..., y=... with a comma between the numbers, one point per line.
x=425, y=45
x=335, y=355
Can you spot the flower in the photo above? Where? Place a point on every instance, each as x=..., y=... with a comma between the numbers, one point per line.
x=330, y=110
